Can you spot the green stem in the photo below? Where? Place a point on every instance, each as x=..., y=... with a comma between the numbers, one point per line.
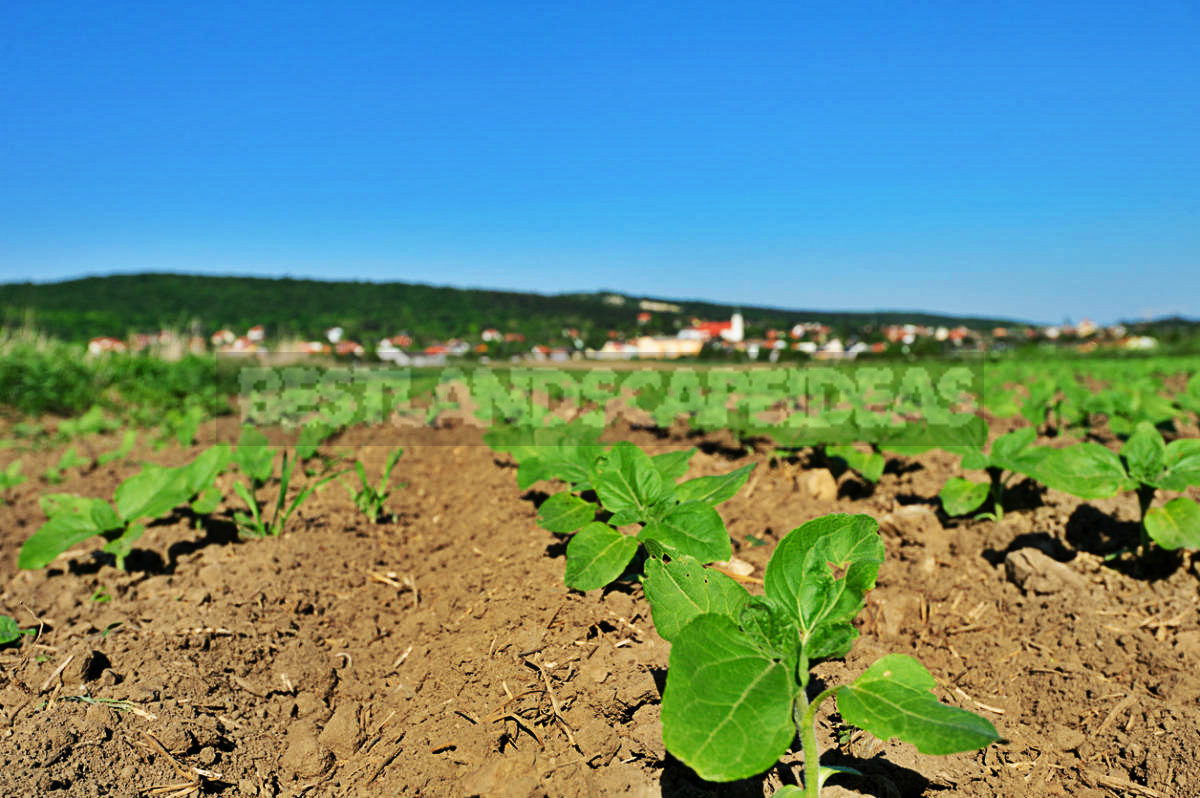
x=804, y=715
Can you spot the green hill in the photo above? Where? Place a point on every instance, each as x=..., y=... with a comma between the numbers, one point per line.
x=121, y=304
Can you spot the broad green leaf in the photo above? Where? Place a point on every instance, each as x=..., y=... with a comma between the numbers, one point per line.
x=1182, y=462
x=151, y=493
x=628, y=480
x=9, y=631
x=565, y=512
x=713, y=490
x=73, y=519
x=821, y=572
x=1175, y=525
x=254, y=455
x=311, y=436
x=868, y=464
x=597, y=555
x=1087, y=470
x=672, y=465
x=681, y=589
x=975, y=460
x=893, y=699
x=1144, y=453
x=694, y=529
x=207, y=501
x=771, y=627
x=727, y=706
x=201, y=472
x=961, y=496
x=1007, y=449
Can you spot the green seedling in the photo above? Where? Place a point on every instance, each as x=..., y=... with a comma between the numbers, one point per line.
x=254, y=524
x=70, y=459
x=254, y=457
x=1146, y=465
x=121, y=452
x=90, y=423
x=10, y=632
x=368, y=498
x=184, y=424
x=636, y=489
x=737, y=691
x=1011, y=454
x=152, y=493
x=10, y=477
x=312, y=435
x=869, y=465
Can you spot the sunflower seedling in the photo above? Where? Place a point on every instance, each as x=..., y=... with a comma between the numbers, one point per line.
x=1011, y=454
x=10, y=477
x=152, y=493
x=737, y=691
x=1146, y=465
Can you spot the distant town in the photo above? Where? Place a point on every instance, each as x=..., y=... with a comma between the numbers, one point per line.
x=645, y=339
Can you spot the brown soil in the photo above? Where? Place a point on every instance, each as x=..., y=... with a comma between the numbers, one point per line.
x=439, y=654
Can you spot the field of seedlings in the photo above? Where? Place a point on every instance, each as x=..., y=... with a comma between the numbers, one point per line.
x=911, y=580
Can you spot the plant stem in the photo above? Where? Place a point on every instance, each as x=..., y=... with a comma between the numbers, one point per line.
x=804, y=715
x=1145, y=494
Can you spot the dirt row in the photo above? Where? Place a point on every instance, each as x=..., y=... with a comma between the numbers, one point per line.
x=439, y=654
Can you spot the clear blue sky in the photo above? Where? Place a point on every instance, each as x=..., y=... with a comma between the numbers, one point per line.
x=1035, y=160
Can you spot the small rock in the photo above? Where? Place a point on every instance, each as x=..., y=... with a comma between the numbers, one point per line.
x=1033, y=571
x=818, y=484
x=914, y=524
x=305, y=757
x=207, y=756
x=311, y=707
x=646, y=732
x=342, y=734
x=513, y=775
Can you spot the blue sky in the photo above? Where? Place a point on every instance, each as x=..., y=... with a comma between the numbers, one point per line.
x=1033, y=160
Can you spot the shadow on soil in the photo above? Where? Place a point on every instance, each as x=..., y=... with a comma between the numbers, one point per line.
x=1090, y=530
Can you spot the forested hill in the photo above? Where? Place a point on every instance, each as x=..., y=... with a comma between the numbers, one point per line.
x=121, y=304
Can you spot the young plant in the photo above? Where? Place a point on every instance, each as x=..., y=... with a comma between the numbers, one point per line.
x=70, y=459
x=737, y=691
x=10, y=632
x=1011, y=454
x=368, y=498
x=633, y=488
x=255, y=525
x=121, y=452
x=869, y=465
x=10, y=477
x=152, y=493
x=1146, y=465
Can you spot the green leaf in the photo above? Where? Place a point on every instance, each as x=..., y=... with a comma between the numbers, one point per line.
x=1145, y=453
x=681, y=589
x=127, y=442
x=961, y=496
x=772, y=628
x=1007, y=449
x=1087, y=470
x=672, y=466
x=1175, y=525
x=821, y=572
x=151, y=493
x=1181, y=459
x=201, y=472
x=73, y=519
x=9, y=631
x=694, y=529
x=975, y=460
x=868, y=464
x=893, y=699
x=597, y=555
x=565, y=512
x=714, y=490
x=254, y=455
x=628, y=481
x=207, y=501
x=727, y=706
